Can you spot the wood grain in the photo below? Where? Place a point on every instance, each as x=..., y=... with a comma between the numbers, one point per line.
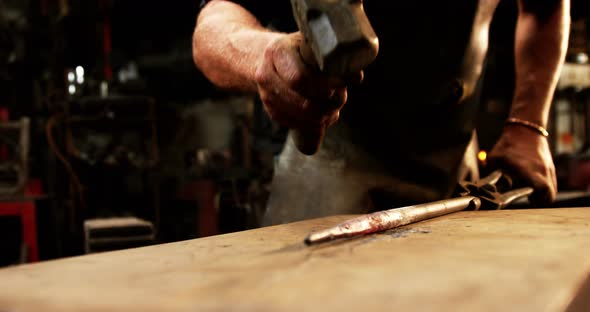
x=524, y=260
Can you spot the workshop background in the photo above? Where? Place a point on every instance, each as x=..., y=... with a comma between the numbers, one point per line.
x=110, y=137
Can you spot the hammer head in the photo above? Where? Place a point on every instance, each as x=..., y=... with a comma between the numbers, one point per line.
x=338, y=32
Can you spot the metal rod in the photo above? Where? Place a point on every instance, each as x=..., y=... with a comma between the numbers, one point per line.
x=392, y=218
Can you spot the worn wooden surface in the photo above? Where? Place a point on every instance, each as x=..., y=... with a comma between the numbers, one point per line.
x=527, y=260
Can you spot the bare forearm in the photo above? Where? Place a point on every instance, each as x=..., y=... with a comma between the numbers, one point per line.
x=227, y=45
x=540, y=46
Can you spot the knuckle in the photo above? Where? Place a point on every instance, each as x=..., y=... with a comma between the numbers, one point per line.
x=339, y=97
x=270, y=50
x=263, y=72
x=335, y=117
x=343, y=96
x=295, y=79
x=261, y=76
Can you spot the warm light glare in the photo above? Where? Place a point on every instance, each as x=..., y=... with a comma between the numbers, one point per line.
x=482, y=156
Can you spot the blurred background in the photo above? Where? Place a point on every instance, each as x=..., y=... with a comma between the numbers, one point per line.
x=110, y=137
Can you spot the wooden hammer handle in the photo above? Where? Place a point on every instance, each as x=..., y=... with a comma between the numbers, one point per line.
x=308, y=141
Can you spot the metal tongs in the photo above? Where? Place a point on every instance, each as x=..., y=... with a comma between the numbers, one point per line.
x=483, y=194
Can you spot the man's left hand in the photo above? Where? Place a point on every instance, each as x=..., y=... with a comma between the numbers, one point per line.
x=526, y=154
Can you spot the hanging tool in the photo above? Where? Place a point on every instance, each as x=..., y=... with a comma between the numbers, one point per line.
x=484, y=194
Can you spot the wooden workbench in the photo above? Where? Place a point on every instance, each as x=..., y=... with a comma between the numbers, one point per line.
x=521, y=260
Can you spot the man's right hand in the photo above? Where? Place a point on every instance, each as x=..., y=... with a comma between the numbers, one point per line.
x=297, y=95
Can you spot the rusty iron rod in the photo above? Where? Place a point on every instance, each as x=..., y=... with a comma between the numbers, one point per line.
x=392, y=218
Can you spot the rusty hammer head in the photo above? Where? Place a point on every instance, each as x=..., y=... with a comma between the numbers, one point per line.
x=338, y=32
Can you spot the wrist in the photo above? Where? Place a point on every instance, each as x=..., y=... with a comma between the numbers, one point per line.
x=531, y=126
x=533, y=109
x=250, y=45
x=266, y=39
